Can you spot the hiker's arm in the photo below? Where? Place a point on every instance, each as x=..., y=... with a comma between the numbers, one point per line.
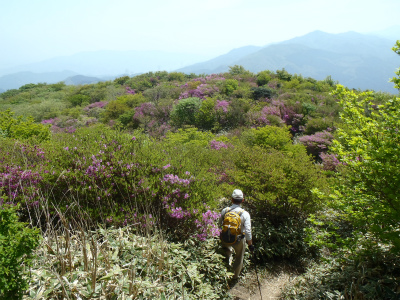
x=249, y=242
x=247, y=229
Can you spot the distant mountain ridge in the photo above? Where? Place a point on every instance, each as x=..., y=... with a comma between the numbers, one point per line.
x=355, y=60
x=16, y=80
x=98, y=64
x=110, y=63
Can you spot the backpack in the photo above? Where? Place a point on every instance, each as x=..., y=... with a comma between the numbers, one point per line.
x=231, y=227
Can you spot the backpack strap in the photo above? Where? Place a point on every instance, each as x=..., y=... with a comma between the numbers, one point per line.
x=229, y=210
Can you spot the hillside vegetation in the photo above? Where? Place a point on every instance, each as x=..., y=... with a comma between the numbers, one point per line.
x=124, y=181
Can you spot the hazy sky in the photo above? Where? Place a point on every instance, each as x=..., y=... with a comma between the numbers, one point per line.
x=33, y=30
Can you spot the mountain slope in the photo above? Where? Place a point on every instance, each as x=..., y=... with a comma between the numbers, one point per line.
x=222, y=61
x=353, y=59
x=80, y=79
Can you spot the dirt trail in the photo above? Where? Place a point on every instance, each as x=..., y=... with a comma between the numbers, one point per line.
x=271, y=286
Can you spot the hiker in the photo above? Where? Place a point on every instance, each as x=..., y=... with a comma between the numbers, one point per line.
x=236, y=241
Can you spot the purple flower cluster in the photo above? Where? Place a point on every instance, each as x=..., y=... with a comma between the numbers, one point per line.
x=100, y=104
x=217, y=145
x=201, y=91
x=317, y=143
x=53, y=121
x=95, y=167
x=216, y=77
x=32, y=154
x=330, y=161
x=15, y=181
x=179, y=213
x=130, y=91
x=192, y=93
x=281, y=112
x=70, y=129
x=207, y=226
x=160, y=130
x=144, y=110
x=271, y=110
x=222, y=105
x=174, y=179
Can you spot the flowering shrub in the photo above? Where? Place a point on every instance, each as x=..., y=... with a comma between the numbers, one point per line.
x=222, y=105
x=144, y=114
x=114, y=178
x=317, y=143
x=130, y=90
x=208, y=225
x=68, y=124
x=100, y=104
x=53, y=121
x=329, y=161
x=19, y=185
x=216, y=145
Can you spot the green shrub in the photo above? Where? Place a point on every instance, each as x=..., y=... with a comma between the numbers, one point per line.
x=126, y=118
x=283, y=75
x=308, y=108
x=319, y=124
x=176, y=76
x=121, y=80
x=229, y=86
x=263, y=78
x=238, y=109
x=239, y=70
x=263, y=92
x=43, y=110
x=114, y=109
x=189, y=135
x=272, y=137
x=368, y=278
x=78, y=99
x=17, y=241
x=19, y=128
x=184, y=113
x=205, y=116
x=131, y=101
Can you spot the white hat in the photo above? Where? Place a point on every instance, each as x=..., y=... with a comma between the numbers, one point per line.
x=237, y=194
